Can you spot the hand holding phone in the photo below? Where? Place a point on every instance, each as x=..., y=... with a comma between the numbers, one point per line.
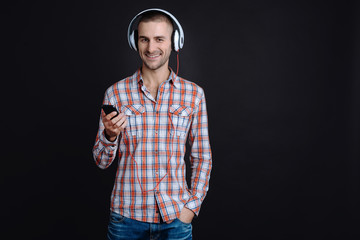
x=115, y=124
x=109, y=109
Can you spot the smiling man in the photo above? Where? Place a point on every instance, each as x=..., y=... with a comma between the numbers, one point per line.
x=156, y=113
x=155, y=43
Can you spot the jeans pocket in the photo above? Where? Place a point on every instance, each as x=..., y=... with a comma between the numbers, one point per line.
x=116, y=218
x=185, y=223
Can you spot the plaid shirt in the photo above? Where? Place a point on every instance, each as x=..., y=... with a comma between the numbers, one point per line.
x=150, y=180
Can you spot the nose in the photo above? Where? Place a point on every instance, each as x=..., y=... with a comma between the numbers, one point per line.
x=151, y=46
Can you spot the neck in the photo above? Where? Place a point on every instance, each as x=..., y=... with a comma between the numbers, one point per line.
x=155, y=77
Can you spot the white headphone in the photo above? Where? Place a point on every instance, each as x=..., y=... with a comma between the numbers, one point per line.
x=177, y=36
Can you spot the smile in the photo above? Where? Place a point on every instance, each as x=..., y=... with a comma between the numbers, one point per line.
x=152, y=56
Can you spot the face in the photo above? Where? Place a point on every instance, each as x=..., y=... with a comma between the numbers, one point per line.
x=154, y=44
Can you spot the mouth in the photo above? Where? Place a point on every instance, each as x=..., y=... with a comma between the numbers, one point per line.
x=152, y=56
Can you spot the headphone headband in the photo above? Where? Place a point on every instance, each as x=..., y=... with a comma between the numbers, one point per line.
x=178, y=34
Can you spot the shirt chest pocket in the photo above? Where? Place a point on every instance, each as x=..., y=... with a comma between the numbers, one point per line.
x=135, y=114
x=181, y=118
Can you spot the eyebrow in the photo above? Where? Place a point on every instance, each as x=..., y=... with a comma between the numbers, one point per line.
x=154, y=37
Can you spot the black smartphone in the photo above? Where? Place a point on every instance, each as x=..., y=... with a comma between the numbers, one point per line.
x=109, y=109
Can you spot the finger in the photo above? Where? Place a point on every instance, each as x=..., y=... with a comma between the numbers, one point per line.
x=103, y=114
x=112, y=114
x=117, y=118
x=121, y=121
x=125, y=123
x=105, y=119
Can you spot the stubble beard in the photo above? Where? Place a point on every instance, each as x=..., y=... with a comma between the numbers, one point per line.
x=162, y=62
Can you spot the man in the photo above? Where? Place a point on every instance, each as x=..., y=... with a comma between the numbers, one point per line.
x=159, y=111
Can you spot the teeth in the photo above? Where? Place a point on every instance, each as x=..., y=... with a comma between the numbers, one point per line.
x=152, y=56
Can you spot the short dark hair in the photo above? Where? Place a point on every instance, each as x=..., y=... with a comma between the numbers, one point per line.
x=155, y=16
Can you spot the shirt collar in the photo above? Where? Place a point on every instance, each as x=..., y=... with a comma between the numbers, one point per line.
x=173, y=78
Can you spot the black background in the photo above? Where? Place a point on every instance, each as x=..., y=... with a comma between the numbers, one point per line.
x=282, y=85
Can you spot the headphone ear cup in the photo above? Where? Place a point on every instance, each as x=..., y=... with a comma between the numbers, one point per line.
x=133, y=42
x=136, y=36
x=175, y=41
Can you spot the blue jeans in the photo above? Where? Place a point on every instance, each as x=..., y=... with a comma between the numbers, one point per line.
x=121, y=227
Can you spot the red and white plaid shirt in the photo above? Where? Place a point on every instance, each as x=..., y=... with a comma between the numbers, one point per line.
x=150, y=178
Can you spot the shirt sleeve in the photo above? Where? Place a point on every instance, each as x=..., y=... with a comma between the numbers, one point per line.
x=104, y=151
x=200, y=157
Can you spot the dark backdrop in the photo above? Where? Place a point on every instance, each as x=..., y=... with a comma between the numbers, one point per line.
x=282, y=87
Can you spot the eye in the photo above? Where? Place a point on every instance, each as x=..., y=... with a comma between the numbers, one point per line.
x=144, y=40
x=160, y=39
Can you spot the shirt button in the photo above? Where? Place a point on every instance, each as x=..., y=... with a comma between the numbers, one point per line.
x=156, y=132
x=156, y=173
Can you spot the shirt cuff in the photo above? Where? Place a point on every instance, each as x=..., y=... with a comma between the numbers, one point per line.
x=108, y=143
x=194, y=205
